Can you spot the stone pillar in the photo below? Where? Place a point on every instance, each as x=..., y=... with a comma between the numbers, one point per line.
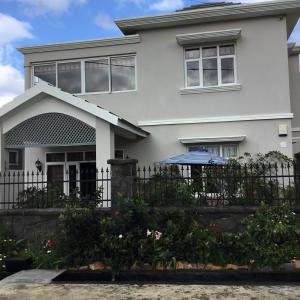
x=123, y=178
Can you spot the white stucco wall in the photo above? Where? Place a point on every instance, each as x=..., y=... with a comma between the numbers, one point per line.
x=261, y=137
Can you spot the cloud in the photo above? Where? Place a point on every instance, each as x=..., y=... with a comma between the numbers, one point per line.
x=41, y=7
x=104, y=21
x=11, y=79
x=12, y=30
x=167, y=5
x=11, y=83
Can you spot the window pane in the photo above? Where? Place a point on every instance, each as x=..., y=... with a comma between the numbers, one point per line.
x=96, y=76
x=123, y=73
x=209, y=51
x=192, y=53
x=210, y=72
x=45, y=73
x=227, y=50
x=230, y=151
x=119, y=154
x=69, y=77
x=74, y=156
x=192, y=73
x=13, y=157
x=90, y=155
x=227, y=65
x=55, y=157
x=215, y=149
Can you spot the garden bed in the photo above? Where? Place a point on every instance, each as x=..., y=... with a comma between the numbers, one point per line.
x=181, y=276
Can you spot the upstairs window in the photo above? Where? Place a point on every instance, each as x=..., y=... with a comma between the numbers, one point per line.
x=123, y=73
x=210, y=66
x=108, y=74
x=97, y=76
x=69, y=77
x=45, y=73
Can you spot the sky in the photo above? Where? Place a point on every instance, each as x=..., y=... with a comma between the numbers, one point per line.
x=31, y=22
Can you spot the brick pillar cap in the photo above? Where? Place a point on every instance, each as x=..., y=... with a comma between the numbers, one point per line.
x=122, y=161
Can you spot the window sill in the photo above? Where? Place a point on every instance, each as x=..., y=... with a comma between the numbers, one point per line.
x=213, y=89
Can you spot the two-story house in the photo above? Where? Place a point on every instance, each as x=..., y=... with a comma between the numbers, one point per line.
x=219, y=77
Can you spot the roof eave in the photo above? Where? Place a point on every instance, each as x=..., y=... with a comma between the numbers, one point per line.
x=133, y=25
x=122, y=40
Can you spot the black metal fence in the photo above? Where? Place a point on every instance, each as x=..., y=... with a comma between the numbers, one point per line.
x=160, y=186
x=220, y=185
x=88, y=188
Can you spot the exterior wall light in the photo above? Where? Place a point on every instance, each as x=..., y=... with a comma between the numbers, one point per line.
x=38, y=165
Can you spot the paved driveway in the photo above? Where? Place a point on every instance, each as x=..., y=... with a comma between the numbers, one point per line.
x=126, y=292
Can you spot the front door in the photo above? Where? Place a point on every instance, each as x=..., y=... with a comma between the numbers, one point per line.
x=87, y=179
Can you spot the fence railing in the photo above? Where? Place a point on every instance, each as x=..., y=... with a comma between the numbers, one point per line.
x=219, y=185
x=88, y=188
x=160, y=186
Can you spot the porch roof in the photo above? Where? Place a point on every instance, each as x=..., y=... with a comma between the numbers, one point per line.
x=80, y=103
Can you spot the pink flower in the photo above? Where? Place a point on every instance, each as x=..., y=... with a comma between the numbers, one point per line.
x=157, y=235
x=49, y=243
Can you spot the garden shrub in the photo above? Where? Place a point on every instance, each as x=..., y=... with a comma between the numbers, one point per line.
x=8, y=247
x=135, y=235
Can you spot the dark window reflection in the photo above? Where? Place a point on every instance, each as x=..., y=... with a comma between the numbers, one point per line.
x=69, y=77
x=123, y=73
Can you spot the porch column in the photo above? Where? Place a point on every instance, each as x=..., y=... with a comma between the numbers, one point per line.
x=105, y=150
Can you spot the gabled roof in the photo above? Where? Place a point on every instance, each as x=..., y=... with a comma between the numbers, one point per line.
x=82, y=104
x=210, y=14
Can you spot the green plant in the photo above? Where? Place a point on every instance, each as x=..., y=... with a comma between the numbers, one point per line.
x=45, y=255
x=271, y=237
x=8, y=247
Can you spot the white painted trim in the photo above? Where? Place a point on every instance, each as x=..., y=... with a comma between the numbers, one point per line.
x=123, y=40
x=212, y=139
x=212, y=89
x=296, y=129
x=217, y=119
x=207, y=37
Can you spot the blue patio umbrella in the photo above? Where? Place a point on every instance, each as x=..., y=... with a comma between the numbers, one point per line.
x=195, y=158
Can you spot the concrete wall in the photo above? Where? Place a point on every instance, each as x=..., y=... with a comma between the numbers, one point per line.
x=33, y=224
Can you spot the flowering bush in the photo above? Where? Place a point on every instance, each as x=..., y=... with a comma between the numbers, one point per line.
x=136, y=235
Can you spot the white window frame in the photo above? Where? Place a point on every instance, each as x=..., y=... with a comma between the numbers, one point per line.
x=220, y=145
x=82, y=66
x=200, y=61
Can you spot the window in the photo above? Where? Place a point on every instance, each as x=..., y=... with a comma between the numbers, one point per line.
x=210, y=66
x=55, y=157
x=90, y=155
x=119, y=154
x=14, y=160
x=69, y=77
x=97, y=76
x=108, y=74
x=45, y=73
x=75, y=156
x=123, y=73
x=223, y=150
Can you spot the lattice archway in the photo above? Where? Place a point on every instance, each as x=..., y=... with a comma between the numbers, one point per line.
x=50, y=129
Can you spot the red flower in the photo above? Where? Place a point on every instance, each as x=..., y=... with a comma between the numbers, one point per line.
x=254, y=193
x=49, y=243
